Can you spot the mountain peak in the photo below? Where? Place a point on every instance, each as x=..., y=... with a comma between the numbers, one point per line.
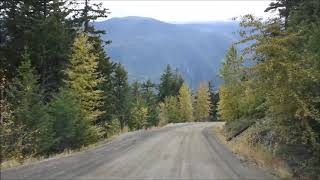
x=134, y=18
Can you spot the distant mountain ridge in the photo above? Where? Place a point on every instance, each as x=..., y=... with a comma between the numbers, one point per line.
x=146, y=45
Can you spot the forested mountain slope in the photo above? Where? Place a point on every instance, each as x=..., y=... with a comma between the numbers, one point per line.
x=145, y=46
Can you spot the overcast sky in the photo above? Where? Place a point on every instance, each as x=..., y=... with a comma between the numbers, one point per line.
x=187, y=11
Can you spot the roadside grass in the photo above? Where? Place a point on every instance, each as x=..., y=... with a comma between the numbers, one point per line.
x=125, y=130
x=67, y=152
x=30, y=160
x=10, y=163
x=256, y=153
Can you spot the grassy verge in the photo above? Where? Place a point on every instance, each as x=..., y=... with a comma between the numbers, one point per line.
x=262, y=157
x=30, y=160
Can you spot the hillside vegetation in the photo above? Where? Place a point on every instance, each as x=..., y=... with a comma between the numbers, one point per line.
x=278, y=97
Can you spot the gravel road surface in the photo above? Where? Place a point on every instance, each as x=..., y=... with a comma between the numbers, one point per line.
x=176, y=151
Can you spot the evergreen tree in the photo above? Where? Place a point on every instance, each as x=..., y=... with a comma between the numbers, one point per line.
x=48, y=28
x=106, y=71
x=121, y=93
x=135, y=93
x=72, y=126
x=45, y=28
x=304, y=15
x=83, y=78
x=138, y=107
x=202, y=104
x=177, y=83
x=285, y=7
x=185, y=104
x=143, y=96
x=170, y=83
x=89, y=12
x=214, y=99
x=148, y=92
x=165, y=83
x=34, y=127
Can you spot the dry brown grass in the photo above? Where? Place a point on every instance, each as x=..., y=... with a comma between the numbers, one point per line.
x=125, y=129
x=15, y=162
x=257, y=153
x=10, y=163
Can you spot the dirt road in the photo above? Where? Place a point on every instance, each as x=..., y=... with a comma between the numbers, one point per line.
x=179, y=151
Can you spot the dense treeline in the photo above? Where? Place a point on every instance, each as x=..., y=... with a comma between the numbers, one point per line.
x=279, y=91
x=60, y=90
x=178, y=104
x=56, y=80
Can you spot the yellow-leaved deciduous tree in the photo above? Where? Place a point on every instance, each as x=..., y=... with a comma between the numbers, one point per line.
x=231, y=91
x=287, y=70
x=202, y=104
x=83, y=78
x=287, y=75
x=185, y=104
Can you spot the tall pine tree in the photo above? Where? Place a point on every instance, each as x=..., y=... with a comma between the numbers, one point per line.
x=148, y=93
x=214, y=100
x=34, y=133
x=121, y=95
x=170, y=83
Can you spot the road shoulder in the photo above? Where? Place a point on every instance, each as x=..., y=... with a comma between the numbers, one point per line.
x=245, y=167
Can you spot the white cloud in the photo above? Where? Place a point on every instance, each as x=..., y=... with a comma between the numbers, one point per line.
x=187, y=11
